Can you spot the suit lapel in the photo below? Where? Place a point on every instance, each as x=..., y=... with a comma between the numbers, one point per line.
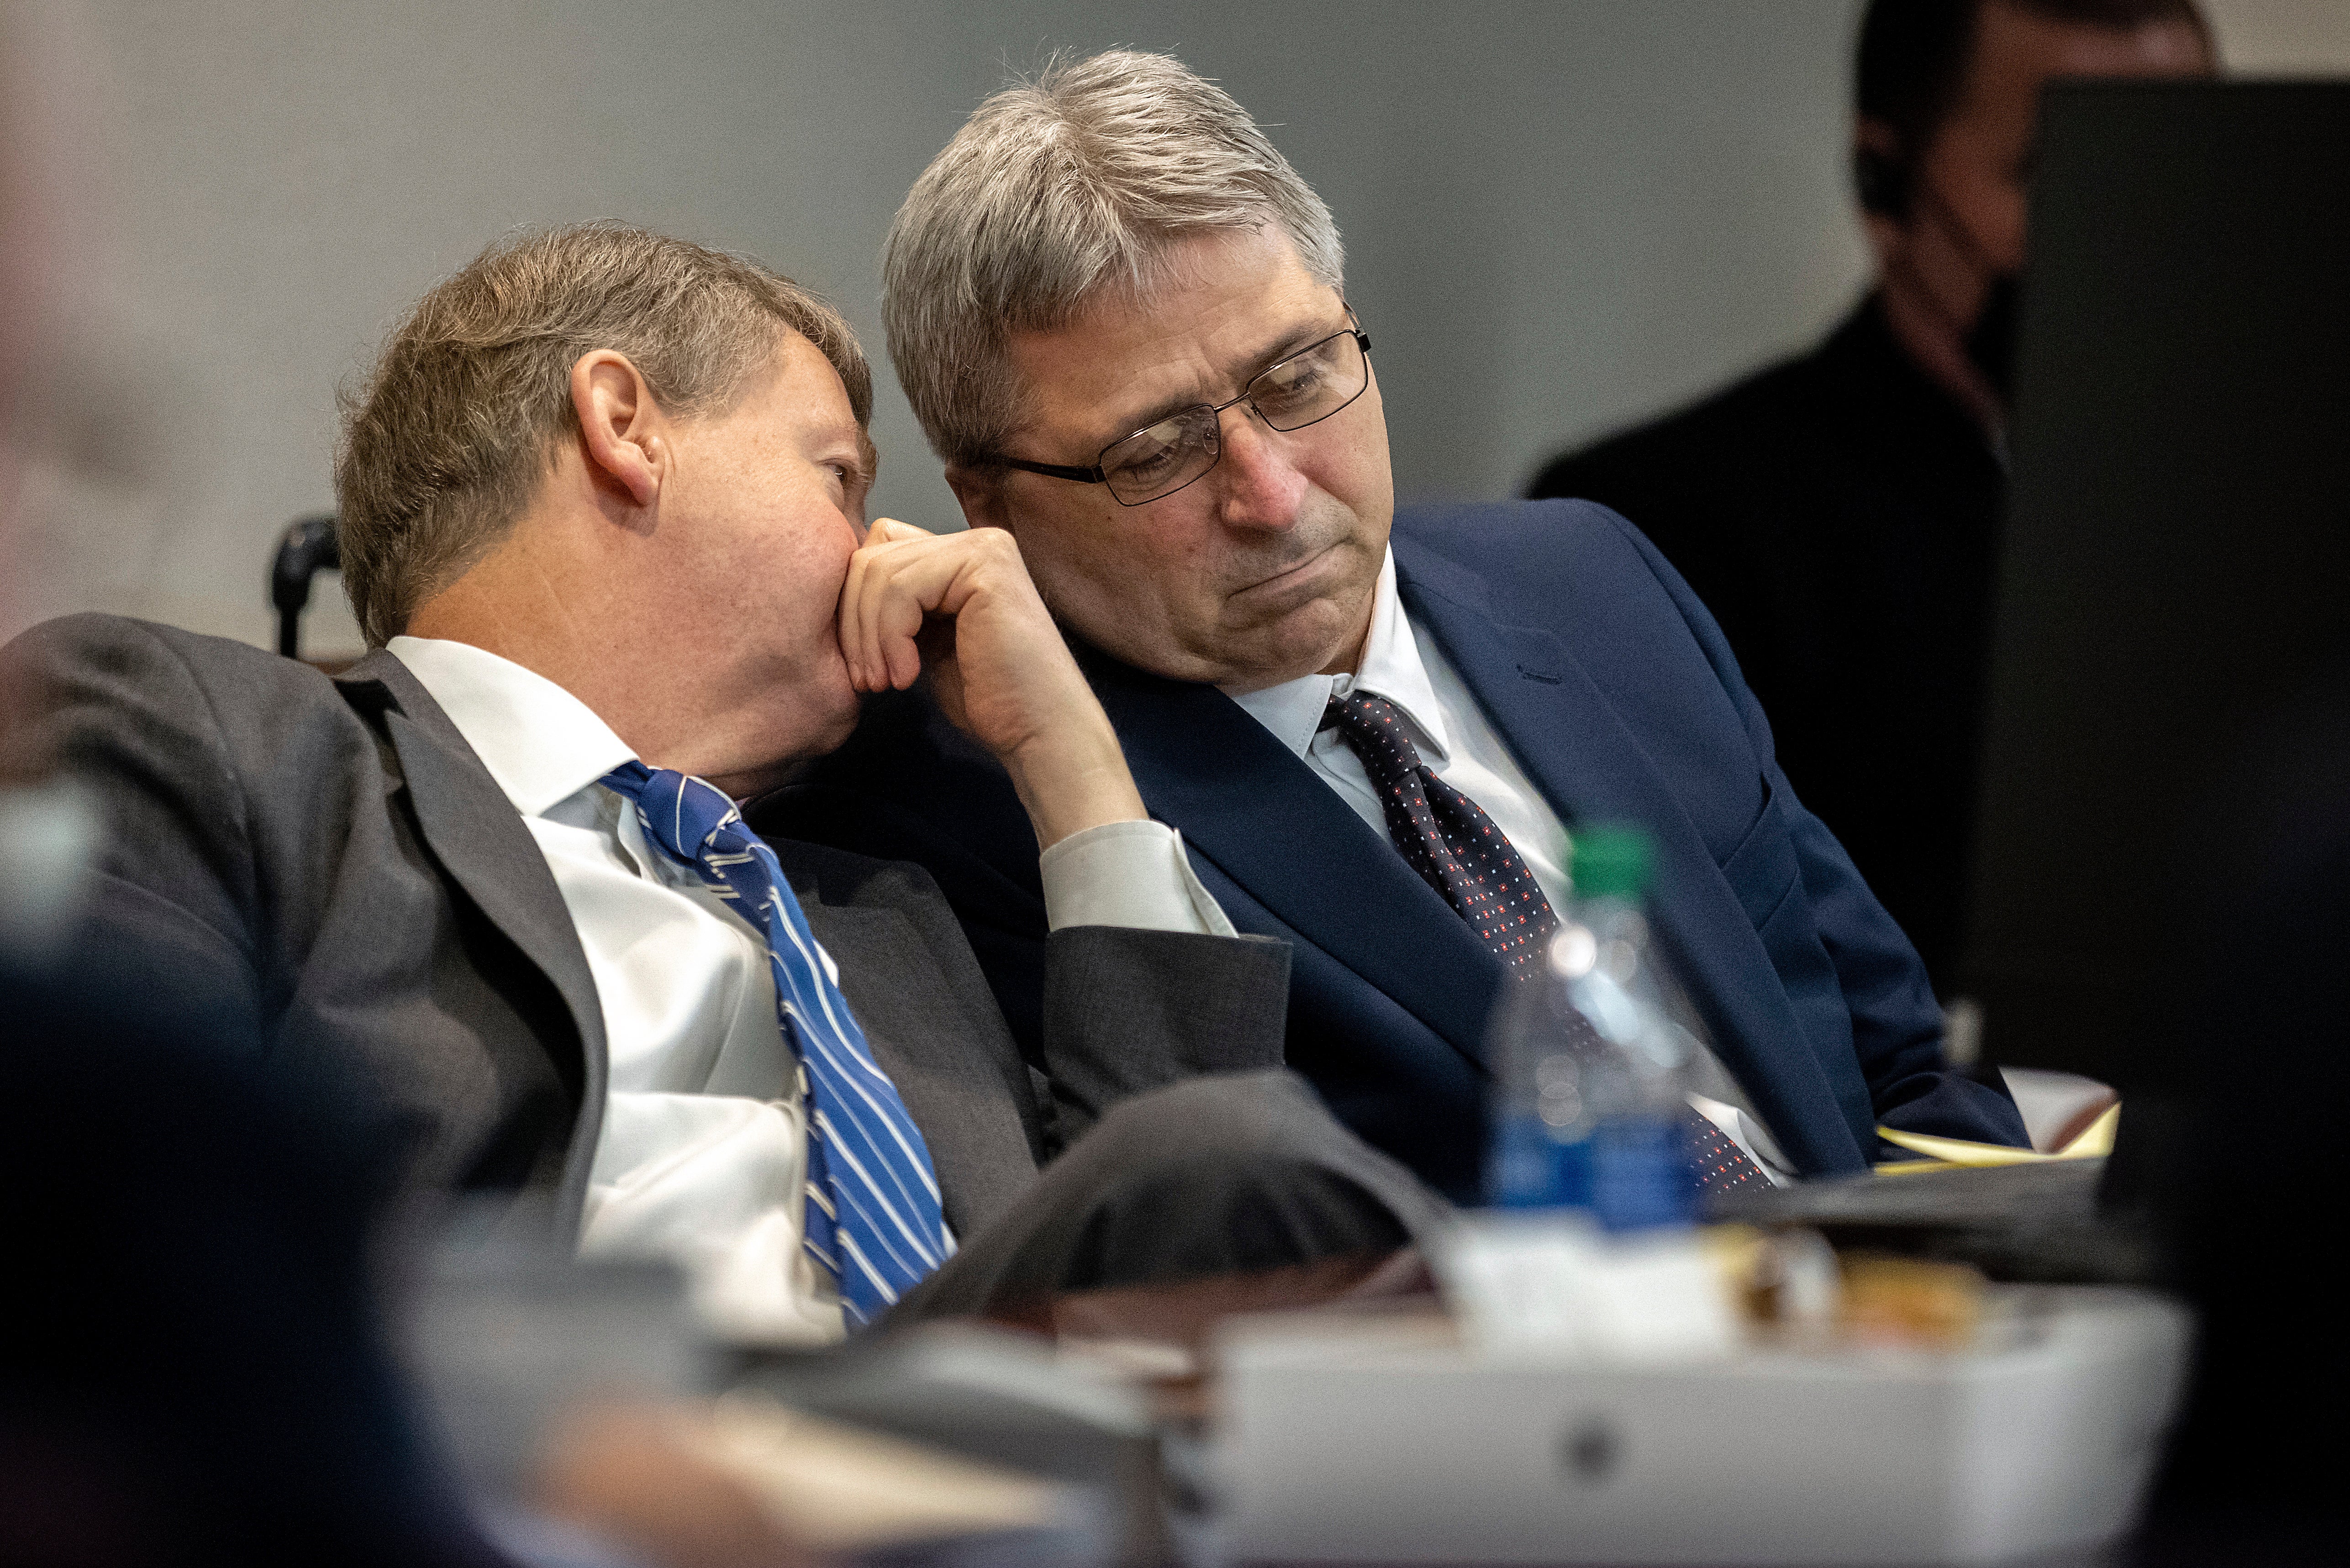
x=928, y=1027
x=1244, y=803
x=480, y=840
x=1574, y=746
x=876, y=951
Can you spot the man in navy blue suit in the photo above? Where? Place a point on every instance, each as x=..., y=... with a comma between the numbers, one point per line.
x=1119, y=315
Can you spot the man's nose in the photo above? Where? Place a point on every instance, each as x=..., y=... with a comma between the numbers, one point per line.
x=1259, y=480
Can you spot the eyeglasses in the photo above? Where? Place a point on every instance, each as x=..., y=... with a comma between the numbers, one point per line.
x=1304, y=388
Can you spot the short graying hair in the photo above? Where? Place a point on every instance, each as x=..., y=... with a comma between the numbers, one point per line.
x=447, y=440
x=1055, y=190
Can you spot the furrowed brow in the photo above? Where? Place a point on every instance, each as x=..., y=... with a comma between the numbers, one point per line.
x=1249, y=368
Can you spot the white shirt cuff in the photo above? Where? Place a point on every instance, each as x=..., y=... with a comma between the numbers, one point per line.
x=1131, y=874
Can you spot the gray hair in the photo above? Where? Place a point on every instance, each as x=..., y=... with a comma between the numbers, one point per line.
x=1055, y=190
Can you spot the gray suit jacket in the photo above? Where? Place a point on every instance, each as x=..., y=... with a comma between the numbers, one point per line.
x=330, y=859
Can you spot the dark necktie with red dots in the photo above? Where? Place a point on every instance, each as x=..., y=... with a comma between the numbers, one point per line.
x=1448, y=838
x=1720, y=1165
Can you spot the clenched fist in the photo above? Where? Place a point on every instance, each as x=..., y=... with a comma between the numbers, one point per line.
x=962, y=605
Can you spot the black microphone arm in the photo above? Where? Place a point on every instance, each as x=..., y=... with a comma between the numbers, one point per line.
x=309, y=547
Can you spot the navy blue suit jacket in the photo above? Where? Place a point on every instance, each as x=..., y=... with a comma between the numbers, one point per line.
x=1618, y=696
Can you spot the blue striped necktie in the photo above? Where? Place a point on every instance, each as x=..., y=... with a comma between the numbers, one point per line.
x=873, y=1217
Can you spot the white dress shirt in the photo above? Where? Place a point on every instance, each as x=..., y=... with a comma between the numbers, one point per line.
x=1458, y=744
x=703, y=1153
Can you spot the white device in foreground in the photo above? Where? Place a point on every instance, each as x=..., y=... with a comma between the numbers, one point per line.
x=1386, y=1441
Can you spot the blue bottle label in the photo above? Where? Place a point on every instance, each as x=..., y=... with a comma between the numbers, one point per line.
x=1528, y=1167
x=1640, y=1174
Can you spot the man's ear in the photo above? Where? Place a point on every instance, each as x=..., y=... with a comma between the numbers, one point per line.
x=622, y=431
x=980, y=492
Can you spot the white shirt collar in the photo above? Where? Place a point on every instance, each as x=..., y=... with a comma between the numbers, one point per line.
x=1390, y=668
x=541, y=744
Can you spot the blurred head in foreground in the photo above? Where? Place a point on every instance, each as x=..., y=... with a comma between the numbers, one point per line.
x=24, y=245
x=191, y=1369
x=1945, y=125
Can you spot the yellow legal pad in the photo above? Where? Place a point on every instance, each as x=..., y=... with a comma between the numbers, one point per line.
x=2094, y=1140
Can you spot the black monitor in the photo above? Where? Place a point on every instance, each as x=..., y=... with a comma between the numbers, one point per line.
x=2176, y=563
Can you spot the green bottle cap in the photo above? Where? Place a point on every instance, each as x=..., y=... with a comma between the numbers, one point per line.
x=1610, y=861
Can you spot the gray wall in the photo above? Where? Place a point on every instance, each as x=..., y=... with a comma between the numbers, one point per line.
x=1559, y=217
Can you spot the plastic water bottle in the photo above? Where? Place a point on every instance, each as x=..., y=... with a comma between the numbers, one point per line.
x=1592, y=1073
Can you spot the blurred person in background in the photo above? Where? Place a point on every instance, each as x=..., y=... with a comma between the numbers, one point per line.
x=601, y=508
x=1119, y=315
x=1838, y=513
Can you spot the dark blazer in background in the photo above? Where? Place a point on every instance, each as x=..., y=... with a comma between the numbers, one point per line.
x=1615, y=692
x=1839, y=515
x=328, y=864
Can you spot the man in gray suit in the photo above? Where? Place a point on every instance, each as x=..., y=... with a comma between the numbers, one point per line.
x=602, y=505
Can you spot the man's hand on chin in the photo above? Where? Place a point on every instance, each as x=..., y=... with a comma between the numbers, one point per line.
x=963, y=606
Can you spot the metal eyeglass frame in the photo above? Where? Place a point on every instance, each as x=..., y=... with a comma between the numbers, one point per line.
x=1097, y=474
